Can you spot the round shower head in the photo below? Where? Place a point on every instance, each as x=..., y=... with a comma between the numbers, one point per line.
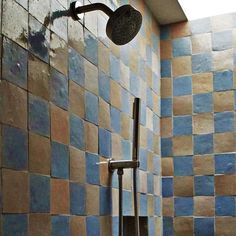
x=124, y=24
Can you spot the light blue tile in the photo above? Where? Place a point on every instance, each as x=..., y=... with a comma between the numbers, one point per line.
x=200, y=26
x=166, y=107
x=165, y=32
x=125, y=101
x=201, y=63
x=143, y=159
x=92, y=169
x=77, y=132
x=104, y=143
x=150, y=183
x=183, y=166
x=126, y=149
x=222, y=40
x=134, y=85
x=167, y=187
x=223, y=80
x=127, y=203
x=182, y=125
x=104, y=86
x=183, y=206
x=168, y=226
x=157, y=205
x=202, y=103
x=225, y=163
x=166, y=68
x=92, y=226
x=143, y=204
x=224, y=122
x=114, y=68
x=60, y=226
x=204, y=185
x=105, y=201
x=204, y=226
x=91, y=107
x=203, y=144
x=182, y=86
x=181, y=47
x=115, y=120
x=77, y=199
x=225, y=206
x=166, y=147
x=149, y=98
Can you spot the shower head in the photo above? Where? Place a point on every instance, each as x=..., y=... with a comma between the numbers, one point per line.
x=123, y=24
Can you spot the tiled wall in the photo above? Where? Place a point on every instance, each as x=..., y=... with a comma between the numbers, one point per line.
x=198, y=138
x=66, y=104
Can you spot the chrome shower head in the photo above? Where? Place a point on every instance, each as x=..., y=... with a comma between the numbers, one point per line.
x=123, y=24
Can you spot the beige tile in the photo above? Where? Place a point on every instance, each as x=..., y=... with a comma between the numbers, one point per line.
x=166, y=49
x=181, y=29
x=222, y=22
x=104, y=114
x=181, y=66
x=157, y=185
x=204, y=206
x=203, y=165
x=150, y=199
x=91, y=77
x=115, y=94
x=168, y=206
x=225, y=185
x=39, y=224
x=183, y=190
x=182, y=105
x=125, y=126
x=225, y=226
x=103, y=58
x=166, y=88
x=92, y=199
x=105, y=225
x=203, y=123
x=115, y=202
x=167, y=166
x=224, y=142
x=78, y=226
x=201, y=43
x=105, y=175
x=183, y=226
x=124, y=75
x=202, y=83
x=182, y=145
x=223, y=101
x=223, y=60
x=91, y=137
x=166, y=127
x=143, y=181
x=116, y=147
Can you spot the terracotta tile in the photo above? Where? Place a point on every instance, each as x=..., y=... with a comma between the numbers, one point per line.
x=225, y=185
x=203, y=123
x=224, y=142
x=202, y=83
x=182, y=145
x=166, y=49
x=105, y=175
x=201, y=43
x=186, y=189
x=15, y=191
x=223, y=101
x=166, y=88
x=91, y=137
x=76, y=99
x=59, y=125
x=116, y=147
x=78, y=226
x=104, y=115
x=59, y=54
x=204, y=206
x=77, y=165
x=167, y=166
x=168, y=206
x=91, y=77
x=150, y=205
x=203, y=165
x=39, y=154
x=92, y=199
x=125, y=126
x=60, y=203
x=225, y=226
x=115, y=94
x=181, y=66
x=183, y=226
x=38, y=77
x=182, y=105
x=105, y=225
x=103, y=58
x=181, y=29
x=222, y=22
x=13, y=105
x=39, y=225
x=222, y=60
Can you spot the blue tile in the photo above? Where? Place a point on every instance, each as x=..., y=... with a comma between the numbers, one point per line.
x=204, y=226
x=204, y=185
x=104, y=86
x=149, y=140
x=60, y=226
x=181, y=47
x=143, y=115
x=166, y=107
x=202, y=103
x=127, y=203
x=150, y=183
x=182, y=125
x=15, y=148
x=60, y=160
x=149, y=55
x=143, y=158
x=166, y=147
x=124, y=54
x=14, y=63
x=166, y=68
x=142, y=69
x=76, y=67
x=149, y=98
x=234, y=57
x=225, y=163
x=157, y=205
x=168, y=226
x=167, y=187
x=157, y=165
x=39, y=121
x=91, y=47
x=223, y=80
x=225, y=206
x=183, y=206
x=183, y=166
x=115, y=120
x=134, y=85
x=104, y=143
x=105, y=201
x=76, y=132
x=155, y=41
x=92, y=226
x=114, y=68
x=59, y=89
x=182, y=86
x=235, y=100
x=143, y=205
x=224, y=122
x=77, y=199
x=92, y=169
x=151, y=226
x=115, y=226
x=201, y=63
x=203, y=144
x=222, y=40
x=156, y=124
x=156, y=83
x=39, y=193
x=126, y=149
x=200, y=26
x=14, y=224
x=125, y=101
x=165, y=32
x=91, y=107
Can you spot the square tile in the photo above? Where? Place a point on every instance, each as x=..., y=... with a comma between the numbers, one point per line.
x=164, y=32
x=39, y=120
x=223, y=80
x=183, y=166
x=59, y=160
x=104, y=115
x=201, y=63
x=15, y=182
x=59, y=125
x=202, y=103
x=224, y=142
x=223, y=101
x=77, y=132
x=143, y=204
x=225, y=185
x=201, y=43
x=166, y=147
x=104, y=86
x=115, y=91
x=92, y=199
x=166, y=68
x=91, y=107
x=203, y=165
x=91, y=77
x=115, y=120
x=92, y=226
x=104, y=143
x=13, y=224
x=203, y=123
x=222, y=40
x=225, y=163
x=183, y=206
x=135, y=87
x=204, y=206
x=183, y=226
x=166, y=88
x=200, y=26
x=182, y=125
x=203, y=144
x=114, y=68
x=59, y=89
x=181, y=47
x=204, y=185
x=166, y=107
x=14, y=148
x=184, y=69
x=59, y=195
x=222, y=59
x=39, y=224
x=14, y=62
x=224, y=122
x=105, y=201
x=166, y=49
x=225, y=206
x=103, y=58
x=77, y=199
x=168, y=206
x=168, y=226
x=182, y=145
x=183, y=190
x=204, y=226
x=77, y=226
x=167, y=187
x=39, y=193
x=182, y=105
x=60, y=225
x=167, y=167
x=92, y=169
x=182, y=86
x=219, y=25
x=202, y=83
x=225, y=226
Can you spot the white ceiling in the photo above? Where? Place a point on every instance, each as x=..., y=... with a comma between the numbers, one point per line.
x=166, y=11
